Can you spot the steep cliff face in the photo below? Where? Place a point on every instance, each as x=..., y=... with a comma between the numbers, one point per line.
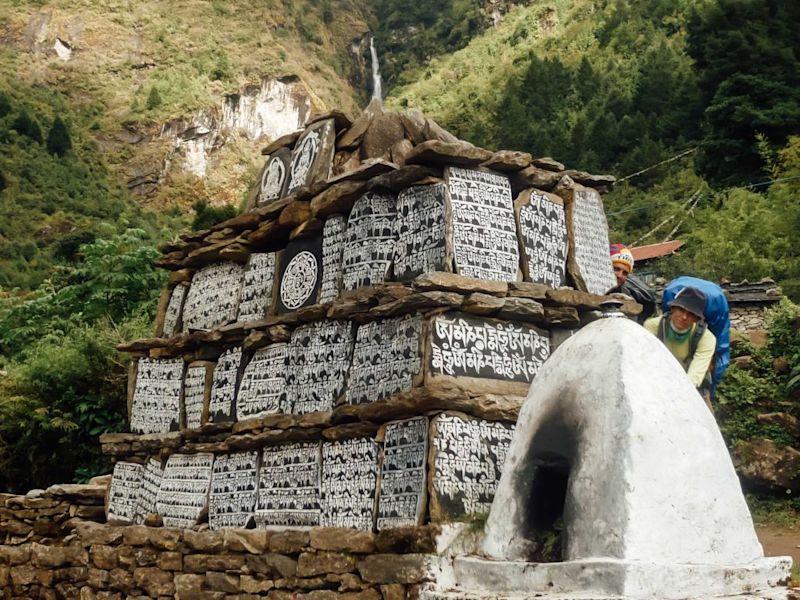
x=183, y=98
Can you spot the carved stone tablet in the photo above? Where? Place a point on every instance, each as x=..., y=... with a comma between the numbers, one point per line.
x=386, y=359
x=256, y=299
x=213, y=297
x=197, y=393
x=125, y=485
x=172, y=316
x=221, y=407
x=300, y=275
x=405, y=454
x=466, y=461
x=262, y=390
x=157, y=395
x=484, y=232
x=232, y=501
x=421, y=226
x=319, y=359
x=465, y=346
x=543, y=237
x=369, y=241
x=183, y=495
x=273, y=179
x=151, y=481
x=332, y=244
x=589, y=258
x=349, y=479
x=313, y=156
x=289, y=486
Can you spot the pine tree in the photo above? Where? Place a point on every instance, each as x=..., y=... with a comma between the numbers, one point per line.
x=58, y=139
x=5, y=104
x=25, y=125
x=153, y=99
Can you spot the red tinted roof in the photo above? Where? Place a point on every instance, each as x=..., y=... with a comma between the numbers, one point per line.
x=655, y=250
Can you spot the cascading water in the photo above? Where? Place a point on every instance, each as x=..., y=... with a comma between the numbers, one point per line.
x=377, y=91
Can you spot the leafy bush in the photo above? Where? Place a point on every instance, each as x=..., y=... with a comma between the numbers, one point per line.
x=27, y=126
x=207, y=216
x=58, y=139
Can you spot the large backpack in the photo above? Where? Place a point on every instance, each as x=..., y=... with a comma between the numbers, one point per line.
x=716, y=315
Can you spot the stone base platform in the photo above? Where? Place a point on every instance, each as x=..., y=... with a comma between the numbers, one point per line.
x=606, y=579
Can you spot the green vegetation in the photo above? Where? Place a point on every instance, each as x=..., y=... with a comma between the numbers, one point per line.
x=65, y=382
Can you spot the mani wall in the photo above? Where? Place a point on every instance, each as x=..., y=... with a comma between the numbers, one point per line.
x=336, y=373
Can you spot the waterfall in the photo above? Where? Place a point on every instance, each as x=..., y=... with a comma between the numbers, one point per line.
x=377, y=91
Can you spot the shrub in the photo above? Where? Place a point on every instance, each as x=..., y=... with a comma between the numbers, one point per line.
x=207, y=216
x=153, y=99
x=25, y=125
x=58, y=139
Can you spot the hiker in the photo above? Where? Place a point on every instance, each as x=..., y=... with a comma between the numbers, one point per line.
x=686, y=335
x=622, y=261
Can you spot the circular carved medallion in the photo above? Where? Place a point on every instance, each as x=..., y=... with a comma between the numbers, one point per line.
x=299, y=280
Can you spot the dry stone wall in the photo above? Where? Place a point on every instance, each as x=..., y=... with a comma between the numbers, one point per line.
x=350, y=353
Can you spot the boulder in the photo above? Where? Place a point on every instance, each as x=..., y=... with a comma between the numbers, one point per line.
x=764, y=464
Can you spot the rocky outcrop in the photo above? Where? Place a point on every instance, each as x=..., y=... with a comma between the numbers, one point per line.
x=764, y=464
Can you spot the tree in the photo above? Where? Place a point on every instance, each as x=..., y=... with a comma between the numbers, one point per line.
x=58, y=139
x=747, y=58
x=27, y=126
x=153, y=99
x=5, y=104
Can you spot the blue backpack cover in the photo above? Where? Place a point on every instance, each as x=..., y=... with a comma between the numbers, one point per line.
x=716, y=315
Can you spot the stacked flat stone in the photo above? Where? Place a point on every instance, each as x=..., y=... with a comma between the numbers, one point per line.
x=353, y=350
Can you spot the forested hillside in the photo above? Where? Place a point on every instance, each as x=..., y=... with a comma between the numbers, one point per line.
x=115, y=121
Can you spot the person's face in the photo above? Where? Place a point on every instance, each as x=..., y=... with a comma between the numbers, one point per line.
x=681, y=318
x=621, y=274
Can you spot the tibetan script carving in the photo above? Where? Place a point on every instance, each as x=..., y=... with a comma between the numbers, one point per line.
x=369, y=241
x=223, y=389
x=386, y=358
x=313, y=156
x=332, y=243
x=405, y=452
x=213, y=297
x=289, y=486
x=262, y=390
x=257, y=287
x=543, y=235
x=233, y=490
x=151, y=481
x=300, y=274
x=172, y=315
x=274, y=177
x=591, y=265
x=319, y=359
x=473, y=347
x=122, y=497
x=349, y=478
x=156, y=406
x=197, y=393
x=183, y=495
x=484, y=232
x=466, y=463
x=421, y=245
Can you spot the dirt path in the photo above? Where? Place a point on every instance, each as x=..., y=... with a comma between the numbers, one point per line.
x=779, y=541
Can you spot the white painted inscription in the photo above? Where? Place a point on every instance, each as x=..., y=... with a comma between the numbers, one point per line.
x=257, y=286
x=349, y=478
x=173, y=313
x=233, y=490
x=289, y=486
x=386, y=357
x=125, y=485
x=213, y=297
x=303, y=159
x=183, y=495
x=156, y=406
x=332, y=243
x=472, y=347
x=194, y=395
x=484, y=231
x=319, y=359
x=272, y=181
x=299, y=280
x=369, y=241
x=405, y=451
x=223, y=388
x=543, y=229
x=468, y=460
x=151, y=481
x=590, y=234
x=421, y=231
x=262, y=390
